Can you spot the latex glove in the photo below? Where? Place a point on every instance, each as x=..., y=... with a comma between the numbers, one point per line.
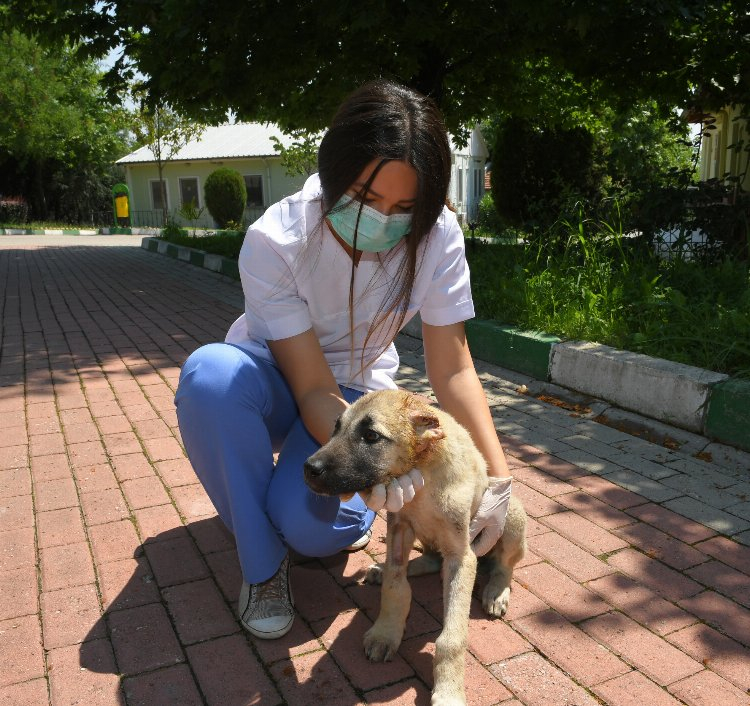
x=488, y=523
x=397, y=493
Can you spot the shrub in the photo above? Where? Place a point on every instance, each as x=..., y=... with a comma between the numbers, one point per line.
x=539, y=173
x=225, y=195
x=13, y=210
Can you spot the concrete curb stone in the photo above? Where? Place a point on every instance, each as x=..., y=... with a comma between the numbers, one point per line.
x=700, y=401
x=79, y=231
x=675, y=393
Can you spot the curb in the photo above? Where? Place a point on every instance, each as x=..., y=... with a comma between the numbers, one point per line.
x=199, y=258
x=78, y=231
x=698, y=400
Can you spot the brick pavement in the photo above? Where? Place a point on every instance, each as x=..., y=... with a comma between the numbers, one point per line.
x=119, y=583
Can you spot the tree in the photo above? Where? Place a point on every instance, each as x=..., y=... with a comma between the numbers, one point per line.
x=292, y=61
x=301, y=157
x=59, y=137
x=165, y=132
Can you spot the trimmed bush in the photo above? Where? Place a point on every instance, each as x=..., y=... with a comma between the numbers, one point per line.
x=13, y=210
x=225, y=196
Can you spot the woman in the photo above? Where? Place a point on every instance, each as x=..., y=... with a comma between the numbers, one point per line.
x=330, y=275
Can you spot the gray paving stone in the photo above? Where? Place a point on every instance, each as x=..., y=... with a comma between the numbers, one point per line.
x=543, y=443
x=655, y=471
x=588, y=461
x=592, y=446
x=702, y=490
x=742, y=537
x=741, y=510
x=689, y=443
x=708, y=474
x=730, y=460
x=710, y=516
x=646, y=487
x=600, y=432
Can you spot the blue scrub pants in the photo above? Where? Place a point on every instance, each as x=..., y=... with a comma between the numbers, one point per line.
x=235, y=410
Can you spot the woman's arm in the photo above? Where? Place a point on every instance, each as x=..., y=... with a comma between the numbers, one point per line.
x=315, y=390
x=454, y=381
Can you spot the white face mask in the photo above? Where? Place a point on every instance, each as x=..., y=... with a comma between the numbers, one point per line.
x=375, y=232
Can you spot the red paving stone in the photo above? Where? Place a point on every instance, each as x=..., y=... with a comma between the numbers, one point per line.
x=21, y=653
x=536, y=681
x=27, y=693
x=708, y=689
x=481, y=688
x=722, y=613
x=649, y=653
x=565, y=645
x=563, y=594
x=212, y=620
x=716, y=651
x=641, y=604
x=667, y=582
x=173, y=686
x=84, y=674
x=108, y=540
x=229, y=674
x=569, y=557
x=633, y=689
x=732, y=553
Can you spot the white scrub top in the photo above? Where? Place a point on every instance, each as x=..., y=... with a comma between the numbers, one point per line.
x=296, y=276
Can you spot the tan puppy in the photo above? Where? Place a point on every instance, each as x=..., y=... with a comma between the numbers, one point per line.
x=381, y=436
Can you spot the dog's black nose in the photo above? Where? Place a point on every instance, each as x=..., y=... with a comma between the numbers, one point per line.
x=314, y=468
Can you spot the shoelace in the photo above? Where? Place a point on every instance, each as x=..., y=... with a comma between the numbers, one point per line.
x=271, y=598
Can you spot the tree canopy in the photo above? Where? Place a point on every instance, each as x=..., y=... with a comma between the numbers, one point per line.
x=293, y=61
x=59, y=136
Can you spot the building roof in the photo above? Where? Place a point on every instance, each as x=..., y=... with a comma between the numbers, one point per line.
x=241, y=140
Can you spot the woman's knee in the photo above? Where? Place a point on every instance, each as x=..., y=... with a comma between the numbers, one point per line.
x=314, y=525
x=209, y=376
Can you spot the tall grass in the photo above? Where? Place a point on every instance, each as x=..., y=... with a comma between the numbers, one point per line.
x=588, y=281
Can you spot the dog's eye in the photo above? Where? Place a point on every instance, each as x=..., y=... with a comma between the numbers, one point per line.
x=370, y=436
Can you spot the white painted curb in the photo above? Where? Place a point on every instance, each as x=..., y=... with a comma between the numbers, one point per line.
x=671, y=392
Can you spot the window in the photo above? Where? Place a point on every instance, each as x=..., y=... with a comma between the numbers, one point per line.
x=254, y=186
x=157, y=193
x=460, y=185
x=189, y=191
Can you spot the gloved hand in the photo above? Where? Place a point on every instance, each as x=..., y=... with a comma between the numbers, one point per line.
x=488, y=523
x=397, y=493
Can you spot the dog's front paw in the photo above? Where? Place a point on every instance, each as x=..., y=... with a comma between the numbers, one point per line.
x=374, y=574
x=379, y=645
x=495, y=600
x=443, y=698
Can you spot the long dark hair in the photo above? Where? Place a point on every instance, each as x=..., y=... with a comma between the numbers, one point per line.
x=385, y=121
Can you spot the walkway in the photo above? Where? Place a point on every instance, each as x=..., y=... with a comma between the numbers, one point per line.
x=119, y=583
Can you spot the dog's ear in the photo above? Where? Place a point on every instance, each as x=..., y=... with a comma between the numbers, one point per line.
x=426, y=427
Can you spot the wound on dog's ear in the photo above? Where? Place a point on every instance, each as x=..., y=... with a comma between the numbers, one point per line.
x=427, y=428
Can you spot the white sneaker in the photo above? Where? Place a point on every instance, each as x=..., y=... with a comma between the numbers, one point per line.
x=361, y=543
x=266, y=609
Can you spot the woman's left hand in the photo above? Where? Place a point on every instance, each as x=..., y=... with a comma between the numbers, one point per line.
x=489, y=521
x=396, y=494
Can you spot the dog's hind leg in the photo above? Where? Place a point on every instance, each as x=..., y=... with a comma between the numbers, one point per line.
x=504, y=556
x=450, y=647
x=427, y=563
x=383, y=638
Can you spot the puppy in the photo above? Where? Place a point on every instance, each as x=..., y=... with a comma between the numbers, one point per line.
x=382, y=436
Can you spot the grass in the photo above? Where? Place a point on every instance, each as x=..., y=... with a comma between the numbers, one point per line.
x=597, y=285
